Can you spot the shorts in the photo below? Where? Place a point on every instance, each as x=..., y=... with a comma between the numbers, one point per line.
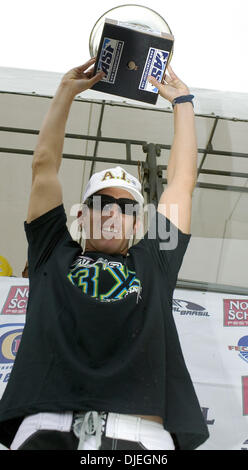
x=91, y=430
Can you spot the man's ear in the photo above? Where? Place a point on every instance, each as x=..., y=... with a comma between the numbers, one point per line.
x=83, y=217
x=138, y=226
x=80, y=219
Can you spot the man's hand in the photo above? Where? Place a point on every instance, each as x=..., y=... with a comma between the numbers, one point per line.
x=172, y=87
x=81, y=78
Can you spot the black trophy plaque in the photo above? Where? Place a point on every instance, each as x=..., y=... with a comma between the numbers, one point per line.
x=128, y=55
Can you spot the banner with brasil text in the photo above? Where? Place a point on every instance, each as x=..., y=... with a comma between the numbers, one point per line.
x=213, y=333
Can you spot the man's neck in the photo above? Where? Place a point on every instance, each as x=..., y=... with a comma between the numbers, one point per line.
x=89, y=247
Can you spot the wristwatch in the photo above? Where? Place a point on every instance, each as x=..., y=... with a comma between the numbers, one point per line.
x=183, y=99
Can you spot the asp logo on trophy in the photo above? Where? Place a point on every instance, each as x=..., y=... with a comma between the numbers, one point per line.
x=155, y=65
x=110, y=58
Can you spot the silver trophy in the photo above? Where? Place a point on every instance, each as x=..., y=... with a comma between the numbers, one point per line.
x=131, y=42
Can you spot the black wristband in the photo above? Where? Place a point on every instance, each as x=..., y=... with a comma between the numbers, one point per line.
x=183, y=99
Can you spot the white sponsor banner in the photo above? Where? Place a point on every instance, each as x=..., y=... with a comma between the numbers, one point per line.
x=213, y=333
x=13, y=303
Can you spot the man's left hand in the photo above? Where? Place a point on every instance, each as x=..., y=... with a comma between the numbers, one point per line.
x=172, y=86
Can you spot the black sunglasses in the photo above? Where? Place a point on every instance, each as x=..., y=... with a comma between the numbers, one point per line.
x=127, y=206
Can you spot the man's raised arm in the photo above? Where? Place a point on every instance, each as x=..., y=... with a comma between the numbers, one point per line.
x=46, y=192
x=182, y=164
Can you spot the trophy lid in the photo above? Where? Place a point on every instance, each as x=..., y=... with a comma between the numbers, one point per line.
x=135, y=16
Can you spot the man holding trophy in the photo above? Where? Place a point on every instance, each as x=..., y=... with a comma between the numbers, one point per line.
x=100, y=364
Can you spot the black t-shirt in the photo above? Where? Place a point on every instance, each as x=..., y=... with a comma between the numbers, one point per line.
x=100, y=334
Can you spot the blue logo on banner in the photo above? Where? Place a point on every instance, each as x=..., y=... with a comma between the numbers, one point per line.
x=185, y=307
x=10, y=338
x=243, y=348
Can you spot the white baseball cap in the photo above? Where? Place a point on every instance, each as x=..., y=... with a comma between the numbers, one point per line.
x=114, y=177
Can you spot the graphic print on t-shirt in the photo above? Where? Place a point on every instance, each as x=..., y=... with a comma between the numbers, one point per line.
x=103, y=279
